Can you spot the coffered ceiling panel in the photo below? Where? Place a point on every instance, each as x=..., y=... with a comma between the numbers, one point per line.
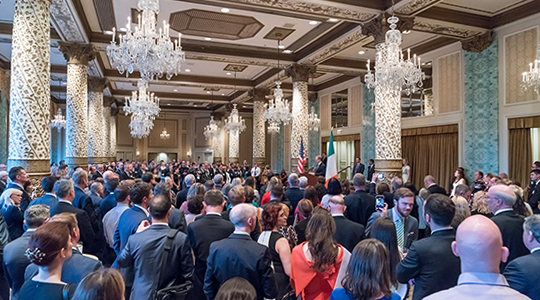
x=484, y=7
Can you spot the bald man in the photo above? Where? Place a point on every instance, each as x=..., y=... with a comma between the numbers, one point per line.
x=479, y=245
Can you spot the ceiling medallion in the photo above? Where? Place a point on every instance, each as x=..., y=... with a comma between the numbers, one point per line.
x=531, y=79
x=143, y=107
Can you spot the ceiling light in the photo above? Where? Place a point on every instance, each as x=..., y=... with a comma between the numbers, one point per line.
x=423, y=64
x=229, y=73
x=168, y=104
x=175, y=90
x=208, y=39
x=195, y=105
x=222, y=94
x=287, y=51
x=406, y=31
x=281, y=47
x=208, y=92
x=361, y=52
x=225, y=10
x=333, y=20
x=123, y=29
x=188, y=70
x=313, y=22
x=108, y=32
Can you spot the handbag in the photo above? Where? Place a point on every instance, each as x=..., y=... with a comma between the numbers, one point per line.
x=175, y=292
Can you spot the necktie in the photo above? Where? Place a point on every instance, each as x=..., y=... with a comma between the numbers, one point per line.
x=399, y=232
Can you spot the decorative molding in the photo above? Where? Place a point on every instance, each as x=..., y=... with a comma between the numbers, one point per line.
x=478, y=43
x=64, y=20
x=76, y=53
x=349, y=40
x=300, y=72
x=415, y=6
x=445, y=30
x=378, y=27
x=259, y=94
x=96, y=84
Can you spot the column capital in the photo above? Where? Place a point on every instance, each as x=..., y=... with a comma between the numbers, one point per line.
x=96, y=84
x=300, y=72
x=378, y=27
x=108, y=101
x=478, y=43
x=259, y=94
x=76, y=53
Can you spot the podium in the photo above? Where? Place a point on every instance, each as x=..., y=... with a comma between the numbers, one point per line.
x=312, y=179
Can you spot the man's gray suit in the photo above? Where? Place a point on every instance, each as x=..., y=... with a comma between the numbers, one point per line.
x=410, y=227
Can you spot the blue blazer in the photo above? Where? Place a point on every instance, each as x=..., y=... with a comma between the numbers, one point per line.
x=15, y=220
x=49, y=200
x=522, y=275
x=15, y=262
x=107, y=204
x=85, y=226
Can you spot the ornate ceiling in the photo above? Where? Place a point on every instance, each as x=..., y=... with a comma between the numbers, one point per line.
x=325, y=33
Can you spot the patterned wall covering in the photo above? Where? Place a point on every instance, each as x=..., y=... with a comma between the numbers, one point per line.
x=280, y=157
x=314, y=143
x=4, y=104
x=482, y=111
x=368, y=120
x=519, y=51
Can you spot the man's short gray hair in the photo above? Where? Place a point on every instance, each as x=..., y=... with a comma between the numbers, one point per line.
x=532, y=224
x=79, y=176
x=293, y=179
x=96, y=187
x=505, y=193
x=359, y=180
x=36, y=215
x=462, y=189
x=63, y=187
x=241, y=213
x=189, y=180
x=218, y=179
x=236, y=181
x=3, y=173
x=303, y=182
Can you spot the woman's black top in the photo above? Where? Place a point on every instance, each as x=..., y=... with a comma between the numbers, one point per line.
x=39, y=290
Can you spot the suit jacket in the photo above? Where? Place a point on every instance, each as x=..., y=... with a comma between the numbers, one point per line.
x=181, y=197
x=144, y=251
x=201, y=234
x=348, y=233
x=47, y=199
x=123, y=175
x=84, y=202
x=177, y=220
x=255, y=233
x=410, y=227
x=435, y=189
x=425, y=261
x=15, y=220
x=107, y=204
x=358, y=168
x=85, y=226
x=294, y=195
x=15, y=262
x=2, y=186
x=511, y=226
x=25, y=200
x=370, y=172
x=360, y=206
x=320, y=170
x=97, y=175
x=522, y=275
x=239, y=256
x=74, y=269
x=534, y=198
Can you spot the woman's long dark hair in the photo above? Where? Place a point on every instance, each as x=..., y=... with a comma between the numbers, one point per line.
x=384, y=230
x=334, y=187
x=236, y=288
x=321, y=244
x=368, y=274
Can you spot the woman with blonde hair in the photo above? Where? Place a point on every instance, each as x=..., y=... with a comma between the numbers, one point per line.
x=10, y=205
x=196, y=190
x=271, y=183
x=479, y=205
x=462, y=211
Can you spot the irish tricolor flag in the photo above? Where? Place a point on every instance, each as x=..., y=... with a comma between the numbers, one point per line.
x=331, y=165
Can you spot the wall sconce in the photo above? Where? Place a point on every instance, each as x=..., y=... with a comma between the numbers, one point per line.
x=138, y=153
x=188, y=154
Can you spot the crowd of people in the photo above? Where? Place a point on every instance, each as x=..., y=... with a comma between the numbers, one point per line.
x=147, y=230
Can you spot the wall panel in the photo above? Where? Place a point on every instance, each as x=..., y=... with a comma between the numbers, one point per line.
x=450, y=83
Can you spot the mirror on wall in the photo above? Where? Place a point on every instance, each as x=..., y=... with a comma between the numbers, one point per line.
x=339, y=108
x=420, y=103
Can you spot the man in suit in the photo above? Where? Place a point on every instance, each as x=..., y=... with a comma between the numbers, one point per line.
x=181, y=197
x=358, y=167
x=109, y=202
x=360, y=204
x=18, y=178
x=237, y=196
x=293, y=192
x=218, y=181
x=177, y=220
x=500, y=200
x=98, y=173
x=148, y=245
x=348, y=233
x=240, y=256
x=77, y=266
x=65, y=191
x=203, y=232
x=522, y=272
x=431, y=185
x=427, y=257
x=3, y=180
x=84, y=202
x=320, y=169
x=15, y=260
x=406, y=225
x=534, y=194
x=371, y=169
x=129, y=222
x=123, y=173
x=49, y=199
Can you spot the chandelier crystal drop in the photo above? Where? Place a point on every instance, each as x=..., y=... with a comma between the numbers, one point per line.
x=147, y=49
x=313, y=120
x=531, y=79
x=391, y=71
x=59, y=121
x=211, y=130
x=143, y=107
x=277, y=110
x=273, y=127
x=234, y=123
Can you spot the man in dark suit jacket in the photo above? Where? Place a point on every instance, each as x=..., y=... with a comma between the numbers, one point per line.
x=348, y=233
x=534, y=194
x=360, y=204
x=3, y=181
x=293, y=193
x=522, y=272
x=240, y=256
x=109, y=202
x=320, y=169
x=98, y=173
x=147, y=245
x=177, y=220
x=203, y=232
x=123, y=171
x=65, y=191
x=358, y=167
x=431, y=185
x=15, y=261
x=77, y=266
x=84, y=202
x=427, y=257
x=49, y=199
x=237, y=196
x=18, y=178
x=181, y=197
x=371, y=169
x=500, y=200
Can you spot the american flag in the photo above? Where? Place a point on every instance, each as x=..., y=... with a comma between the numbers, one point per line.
x=301, y=157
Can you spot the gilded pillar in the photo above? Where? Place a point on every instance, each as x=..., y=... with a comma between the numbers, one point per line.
x=77, y=56
x=112, y=133
x=106, y=129
x=259, y=138
x=234, y=146
x=96, y=138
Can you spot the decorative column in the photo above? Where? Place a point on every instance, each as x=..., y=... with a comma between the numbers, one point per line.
x=106, y=129
x=112, y=132
x=29, y=112
x=95, y=120
x=77, y=56
x=234, y=146
x=259, y=137
x=300, y=76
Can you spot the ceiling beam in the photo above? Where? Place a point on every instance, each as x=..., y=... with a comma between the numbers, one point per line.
x=334, y=81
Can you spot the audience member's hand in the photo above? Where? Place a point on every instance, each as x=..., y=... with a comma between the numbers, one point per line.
x=143, y=226
x=384, y=210
x=375, y=177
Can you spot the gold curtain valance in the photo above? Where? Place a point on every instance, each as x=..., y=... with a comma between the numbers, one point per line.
x=453, y=128
x=341, y=138
x=524, y=122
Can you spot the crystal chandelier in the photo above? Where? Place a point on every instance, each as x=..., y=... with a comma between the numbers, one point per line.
x=277, y=110
x=313, y=121
x=531, y=79
x=211, y=130
x=164, y=134
x=59, y=121
x=235, y=123
x=391, y=71
x=143, y=108
x=273, y=128
x=146, y=49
